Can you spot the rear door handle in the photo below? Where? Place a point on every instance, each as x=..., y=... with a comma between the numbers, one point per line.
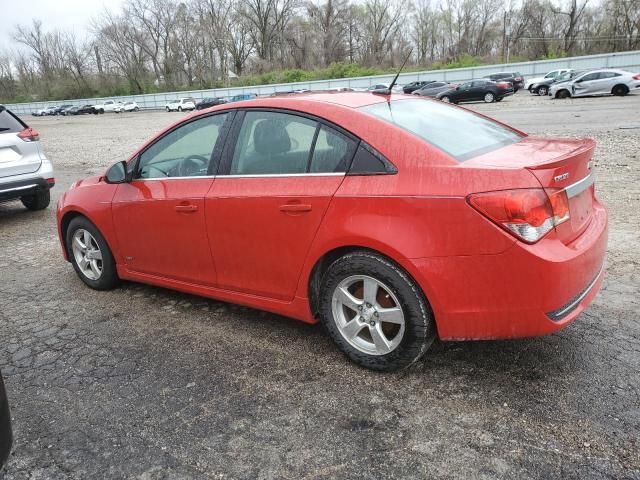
x=186, y=208
x=295, y=207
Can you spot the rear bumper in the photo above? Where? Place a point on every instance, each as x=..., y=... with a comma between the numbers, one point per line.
x=26, y=184
x=526, y=291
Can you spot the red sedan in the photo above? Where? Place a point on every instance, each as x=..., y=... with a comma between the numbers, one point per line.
x=390, y=219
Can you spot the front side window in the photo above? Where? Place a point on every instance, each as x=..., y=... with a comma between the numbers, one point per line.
x=590, y=76
x=440, y=125
x=273, y=143
x=183, y=152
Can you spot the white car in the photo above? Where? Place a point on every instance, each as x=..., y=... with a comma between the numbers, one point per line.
x=106, y=106
x=605, y=81
x=181, y=104
x=552, y=75
x=25, y=171
x=126, y=107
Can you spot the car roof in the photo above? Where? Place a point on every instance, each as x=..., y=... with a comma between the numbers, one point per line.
x=345, y=99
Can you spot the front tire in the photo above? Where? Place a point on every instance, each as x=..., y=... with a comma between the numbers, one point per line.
x=180, y=109
x=90, y=255
x=38, y=201
x=563, y=94
x=445, y=99
x=543, y=91
x=489, y=97
x=374, y=312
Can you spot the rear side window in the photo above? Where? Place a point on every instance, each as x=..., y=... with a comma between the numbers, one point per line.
x=332, y=152
x=9, y=123
x=460, y=133
x=273, y=143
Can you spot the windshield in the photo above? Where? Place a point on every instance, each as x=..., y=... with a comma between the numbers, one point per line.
x=458, y=132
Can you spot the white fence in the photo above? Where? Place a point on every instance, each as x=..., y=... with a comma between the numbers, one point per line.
x=624, y=60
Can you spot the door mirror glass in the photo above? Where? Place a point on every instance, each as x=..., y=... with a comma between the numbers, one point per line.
x=117, y=173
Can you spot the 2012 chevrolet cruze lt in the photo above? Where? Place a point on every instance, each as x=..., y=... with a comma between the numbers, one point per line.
x=391, y=219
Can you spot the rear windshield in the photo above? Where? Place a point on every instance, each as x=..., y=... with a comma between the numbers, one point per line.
x=9, y=123
x=458, y=132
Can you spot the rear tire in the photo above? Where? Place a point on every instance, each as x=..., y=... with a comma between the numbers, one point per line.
x=108, y=277
x=563, y=94
x=393, y=326
x=180, y=109
x=38, y=201
x=620, y=90
x=168, y=109
x=445, y=99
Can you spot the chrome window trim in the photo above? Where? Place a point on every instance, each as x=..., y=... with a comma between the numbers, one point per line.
x=265, y=175
x=580, y=186
x=281, y=175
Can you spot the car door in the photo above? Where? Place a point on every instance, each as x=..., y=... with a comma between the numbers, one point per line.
x=607, y=81
x=586, y=85
x=268, y=200
x=464, y=93
x=159, y=216
x=478, y=89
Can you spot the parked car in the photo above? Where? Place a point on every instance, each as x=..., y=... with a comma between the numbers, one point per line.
x=80, y=110
x=242, y=97
x=180, y=105
x=106, y=106
x=6, y=436
x=477, y=90
x=126, y=107
x=59, y=109
x=369, y=213
x=606, y=81
x=413, y=86
x=41, y=112
x=515, y=78
x=542, y=87
x=433, y=89
x=552, y=75
x=66, y=111
x=25, y=171
x=210, y=102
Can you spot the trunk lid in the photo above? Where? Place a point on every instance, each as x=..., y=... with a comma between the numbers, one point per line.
x=556, y=164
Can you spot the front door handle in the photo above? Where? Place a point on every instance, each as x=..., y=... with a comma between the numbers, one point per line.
x=295, y=207
x=189, y=208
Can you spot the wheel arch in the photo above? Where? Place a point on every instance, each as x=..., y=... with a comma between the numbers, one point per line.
x=620, y=85
x=321, y=265
x=65, y=221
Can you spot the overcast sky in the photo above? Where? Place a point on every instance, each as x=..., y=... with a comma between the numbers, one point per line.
x=61, y=14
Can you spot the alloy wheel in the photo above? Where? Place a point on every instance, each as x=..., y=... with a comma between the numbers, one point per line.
x=87, y=254
x=489, y=97
x=542, y=91
x=368, y=315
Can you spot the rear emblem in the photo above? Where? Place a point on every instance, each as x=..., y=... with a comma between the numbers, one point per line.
x=559, y=178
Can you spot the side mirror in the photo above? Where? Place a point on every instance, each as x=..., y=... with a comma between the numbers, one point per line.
x=117, y=173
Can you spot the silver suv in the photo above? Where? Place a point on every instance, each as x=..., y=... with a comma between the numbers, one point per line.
x=25, y=172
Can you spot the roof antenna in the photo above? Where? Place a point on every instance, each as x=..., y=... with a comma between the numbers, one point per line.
x=387, y=91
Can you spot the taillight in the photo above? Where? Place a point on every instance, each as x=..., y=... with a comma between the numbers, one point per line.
x=528, y=214
x=29, y=135
x=503, y=84
x=517, y=79
x=636, y=76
